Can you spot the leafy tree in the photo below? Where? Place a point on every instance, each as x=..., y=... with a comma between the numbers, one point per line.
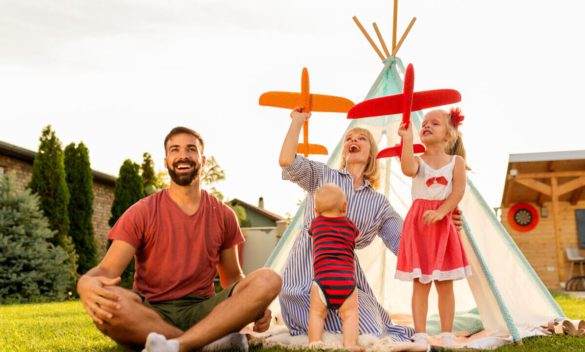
x=31, y=267
x=129, y=189
x=240, y=214
x=79, y=178
x=161, y=179
x=48, y=181
x=148, y=174
x=212, y=172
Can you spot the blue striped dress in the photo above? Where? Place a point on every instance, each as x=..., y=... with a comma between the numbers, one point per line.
x=371, y=212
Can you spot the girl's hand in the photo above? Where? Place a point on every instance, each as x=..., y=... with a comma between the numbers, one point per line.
x=432, y=216
x=299, y=116
x=404, y=132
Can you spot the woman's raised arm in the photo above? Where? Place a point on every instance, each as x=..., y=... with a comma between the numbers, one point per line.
x=289, y=146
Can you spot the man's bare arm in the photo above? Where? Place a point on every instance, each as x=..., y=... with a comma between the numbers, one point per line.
x=229, y=267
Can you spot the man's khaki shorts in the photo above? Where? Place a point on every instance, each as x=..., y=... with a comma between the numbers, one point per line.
x=189, y=310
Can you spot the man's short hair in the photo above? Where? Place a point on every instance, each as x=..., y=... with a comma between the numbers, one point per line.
x=180, y=130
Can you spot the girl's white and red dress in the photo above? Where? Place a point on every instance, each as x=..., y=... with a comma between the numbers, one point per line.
x=431, y=252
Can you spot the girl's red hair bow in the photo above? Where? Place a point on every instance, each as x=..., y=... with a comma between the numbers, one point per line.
x=456, y=117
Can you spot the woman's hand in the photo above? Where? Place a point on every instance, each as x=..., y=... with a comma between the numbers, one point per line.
x=289, y=146
x=458, y=219
x=299, y=116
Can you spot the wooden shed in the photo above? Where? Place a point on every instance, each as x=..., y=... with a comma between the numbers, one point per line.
x=543, y=209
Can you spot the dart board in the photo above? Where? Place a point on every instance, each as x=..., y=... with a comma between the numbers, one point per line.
x=522, y=217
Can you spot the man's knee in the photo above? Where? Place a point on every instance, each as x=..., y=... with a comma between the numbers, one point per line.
x=125, y=316
x=265, y=282
x=270, y=281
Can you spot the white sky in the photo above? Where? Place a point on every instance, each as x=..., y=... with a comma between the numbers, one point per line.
x=119, y=74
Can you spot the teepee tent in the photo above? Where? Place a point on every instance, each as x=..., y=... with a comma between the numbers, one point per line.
x=504, y=297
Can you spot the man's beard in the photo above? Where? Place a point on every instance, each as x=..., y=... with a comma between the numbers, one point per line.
x=184, y=179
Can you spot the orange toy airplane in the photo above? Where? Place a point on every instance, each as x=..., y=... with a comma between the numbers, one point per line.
x=309, y=102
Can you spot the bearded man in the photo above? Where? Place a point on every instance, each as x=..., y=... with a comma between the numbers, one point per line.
x=179, y=238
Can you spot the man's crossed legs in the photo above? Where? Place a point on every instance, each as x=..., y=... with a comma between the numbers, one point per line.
x=133, y=321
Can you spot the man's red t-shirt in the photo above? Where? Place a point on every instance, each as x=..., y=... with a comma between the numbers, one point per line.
x=176, y=254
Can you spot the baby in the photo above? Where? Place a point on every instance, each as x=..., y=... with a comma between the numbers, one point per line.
x=334, y=286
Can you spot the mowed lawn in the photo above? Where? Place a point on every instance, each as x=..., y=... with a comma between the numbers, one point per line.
x=65, y=327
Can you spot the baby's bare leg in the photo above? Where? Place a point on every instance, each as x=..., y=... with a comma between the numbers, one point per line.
x=317, y=314
x=349, y=314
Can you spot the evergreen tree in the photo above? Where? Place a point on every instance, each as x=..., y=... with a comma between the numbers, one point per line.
x=48, y=181
x=129, y=189
x=79, y=178
x=31, y=267
x=148, y=174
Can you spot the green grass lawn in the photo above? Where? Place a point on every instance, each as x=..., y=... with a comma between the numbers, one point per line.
x=66, y=327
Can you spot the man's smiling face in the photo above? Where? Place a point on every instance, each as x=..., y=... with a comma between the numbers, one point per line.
x=183, y=158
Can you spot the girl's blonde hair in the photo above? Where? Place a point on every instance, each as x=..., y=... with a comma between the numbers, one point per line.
x=372, y=170
x=455, y=146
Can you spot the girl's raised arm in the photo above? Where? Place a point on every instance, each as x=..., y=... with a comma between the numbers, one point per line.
x=408, y=163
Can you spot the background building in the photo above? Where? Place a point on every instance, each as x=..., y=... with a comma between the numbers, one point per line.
x=543, y=209
x=20, y=161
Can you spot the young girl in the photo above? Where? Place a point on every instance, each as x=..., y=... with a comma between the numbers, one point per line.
x=430, y=249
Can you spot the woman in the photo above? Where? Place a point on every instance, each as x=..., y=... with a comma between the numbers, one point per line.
x=369, y=210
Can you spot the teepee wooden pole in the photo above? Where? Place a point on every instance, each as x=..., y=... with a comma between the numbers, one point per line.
x=395, y=50
x=365, y=33
x=394, y=25
x=381, y=39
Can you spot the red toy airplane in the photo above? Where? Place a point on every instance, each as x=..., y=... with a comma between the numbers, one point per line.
x=309, y=102
x=404, y=103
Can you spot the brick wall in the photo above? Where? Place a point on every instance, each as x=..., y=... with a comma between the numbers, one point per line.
x=102, y=206
x=103, y=197
x=539, y=246
x=22, y=169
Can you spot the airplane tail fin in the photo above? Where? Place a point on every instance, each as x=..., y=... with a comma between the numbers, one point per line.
x=312, y=149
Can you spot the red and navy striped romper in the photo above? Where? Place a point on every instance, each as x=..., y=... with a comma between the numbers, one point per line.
x=333, y=257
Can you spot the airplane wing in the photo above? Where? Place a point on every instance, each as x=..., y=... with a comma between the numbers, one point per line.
x=396, y=151
x=281, y=99
x=330, y=103
x=392, y=104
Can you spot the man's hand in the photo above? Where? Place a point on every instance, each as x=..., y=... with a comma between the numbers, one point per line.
x=97, y=301
x=263, y=323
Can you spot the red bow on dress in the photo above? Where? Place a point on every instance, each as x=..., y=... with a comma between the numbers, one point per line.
x=440, y=180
